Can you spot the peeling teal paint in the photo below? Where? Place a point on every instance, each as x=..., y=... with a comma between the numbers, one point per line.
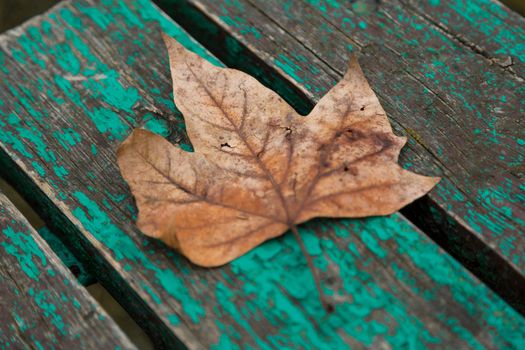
x=187, y=147
x=23, y=247
x=95, y=15
x=239, y=22
x=31, y=48
x=288, y=67
x=39, y=168
x=67, y=137
x=76, y=304
x=99, y=224
x=174, y=319
x=108, y=121
x=225, y=343
x=509, y=38
x=49, y=309
x=151, y=293
x=22, y=325
x=156, y=125
x=263, y=276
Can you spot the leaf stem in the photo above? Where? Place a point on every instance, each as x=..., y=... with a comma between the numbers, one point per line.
x=327, y=306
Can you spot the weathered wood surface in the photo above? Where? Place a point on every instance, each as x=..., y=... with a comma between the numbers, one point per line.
x=75, y=81
x=61, y=250
x=41, y=304
x=450, y=75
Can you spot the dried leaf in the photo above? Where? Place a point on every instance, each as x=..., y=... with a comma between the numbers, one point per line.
x=259, y=168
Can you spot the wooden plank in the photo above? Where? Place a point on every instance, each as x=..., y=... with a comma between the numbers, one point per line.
x=73, y=84
x=41, y=304
x=61, y=250
x=450, y=75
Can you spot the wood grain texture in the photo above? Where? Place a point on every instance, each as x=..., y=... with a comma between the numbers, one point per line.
x=450, y=75
x=75, y=81
x=41, y=304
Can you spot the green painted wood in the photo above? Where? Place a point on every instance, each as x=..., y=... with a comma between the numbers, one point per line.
x=75, y=81
x=41, y=304
x=65, y=255
x=449, y=73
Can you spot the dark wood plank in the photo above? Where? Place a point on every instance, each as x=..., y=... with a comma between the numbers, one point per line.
x=61, y=250
x=450, y=75
x=41, y=304
x=67, y=257
x=75, y=81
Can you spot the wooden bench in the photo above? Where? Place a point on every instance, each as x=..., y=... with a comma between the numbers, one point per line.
x=450, y=76
x=76, y=80
x=42, y=305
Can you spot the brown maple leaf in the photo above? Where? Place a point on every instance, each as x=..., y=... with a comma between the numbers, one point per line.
x=259, y=168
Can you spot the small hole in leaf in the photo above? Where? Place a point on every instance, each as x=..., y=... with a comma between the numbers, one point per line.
x=288, y=132
x=226, y=144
